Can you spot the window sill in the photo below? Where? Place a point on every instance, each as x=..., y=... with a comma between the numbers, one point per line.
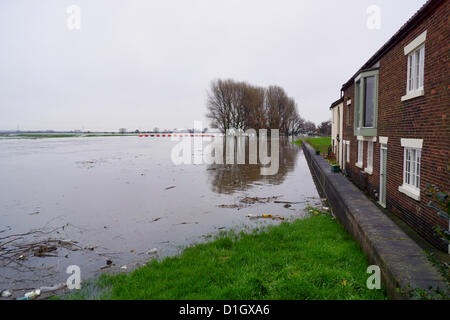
x=410, y=192
x=369, y=170
x=413, y=94
x=359, y=165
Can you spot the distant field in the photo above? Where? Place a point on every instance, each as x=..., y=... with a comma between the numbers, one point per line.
x=110, y=135
x=320, y=143
x=62, y=135
x=44, y=135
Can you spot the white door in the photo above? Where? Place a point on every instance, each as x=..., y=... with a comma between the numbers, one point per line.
x=383, y=161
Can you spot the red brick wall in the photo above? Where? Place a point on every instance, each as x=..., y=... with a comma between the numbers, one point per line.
x=424, y=118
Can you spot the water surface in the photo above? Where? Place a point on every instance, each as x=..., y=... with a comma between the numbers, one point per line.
x=118, y=197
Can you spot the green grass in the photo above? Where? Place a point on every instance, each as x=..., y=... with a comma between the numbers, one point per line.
x=320, y=143
x=312, y=258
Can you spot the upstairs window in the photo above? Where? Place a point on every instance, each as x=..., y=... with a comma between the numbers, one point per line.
x=366, y=103
x=368, y=106
x=416, y=63
x=415, y=54
x=357, y=102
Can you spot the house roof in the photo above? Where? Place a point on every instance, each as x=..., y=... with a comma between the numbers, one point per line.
x=337, y=102
x=421, y=14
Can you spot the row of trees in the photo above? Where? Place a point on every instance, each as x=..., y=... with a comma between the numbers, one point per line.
x=239, y=105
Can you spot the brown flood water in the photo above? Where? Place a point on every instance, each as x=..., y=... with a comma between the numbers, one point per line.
x=119, y=197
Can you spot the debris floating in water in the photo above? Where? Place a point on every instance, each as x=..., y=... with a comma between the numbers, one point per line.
x=253, y=200
x=33, y=294
x=265, y=216
x=56, y=287
x=6, y=293
x=288, y=202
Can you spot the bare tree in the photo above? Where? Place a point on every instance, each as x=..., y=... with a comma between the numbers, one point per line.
x=309, y=127
x=325, y=128
x=253, y=101
x=240, y=105
x=219, y=104
x=275, y=101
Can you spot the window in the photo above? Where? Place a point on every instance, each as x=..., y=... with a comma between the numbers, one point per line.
x=416, y=61
x=348, y=151
x=368, y=106
x=360, y=153
x=411, y=167
x=411, y=170
x=357, y=91
x=366, y=103
x=369, y=168
x=415, y=53
x=348, y=115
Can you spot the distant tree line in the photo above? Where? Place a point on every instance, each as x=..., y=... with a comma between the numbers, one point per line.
x=324, y=128
x=239, y=105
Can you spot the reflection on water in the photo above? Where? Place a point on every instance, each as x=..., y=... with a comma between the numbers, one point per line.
x=119, y=197
x=229, y=178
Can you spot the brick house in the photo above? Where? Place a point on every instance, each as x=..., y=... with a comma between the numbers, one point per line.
x=395, y=130
x=336, y=129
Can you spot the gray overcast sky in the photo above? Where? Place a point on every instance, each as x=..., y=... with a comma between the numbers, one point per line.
x=144, y=63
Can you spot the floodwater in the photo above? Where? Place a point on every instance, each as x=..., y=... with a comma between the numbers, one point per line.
x=116, y=198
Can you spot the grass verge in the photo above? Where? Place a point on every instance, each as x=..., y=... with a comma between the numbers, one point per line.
x=312, y=258
x=320, y=143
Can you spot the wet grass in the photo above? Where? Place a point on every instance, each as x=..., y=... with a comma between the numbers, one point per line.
x=312, y=258
x=319, y=143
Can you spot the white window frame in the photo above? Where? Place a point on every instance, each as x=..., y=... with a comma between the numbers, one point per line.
x=359, y=164
x=412, y=157
x=369, y=168
x=416, y=60
x=415, y=52
x=383, y=168
x=348, y=151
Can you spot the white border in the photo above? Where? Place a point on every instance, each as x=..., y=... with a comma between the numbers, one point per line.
x=410, y=192
x=413, y=94
x=412, y=143
x=361, y=138
x=383, y=140
x=383, y=146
